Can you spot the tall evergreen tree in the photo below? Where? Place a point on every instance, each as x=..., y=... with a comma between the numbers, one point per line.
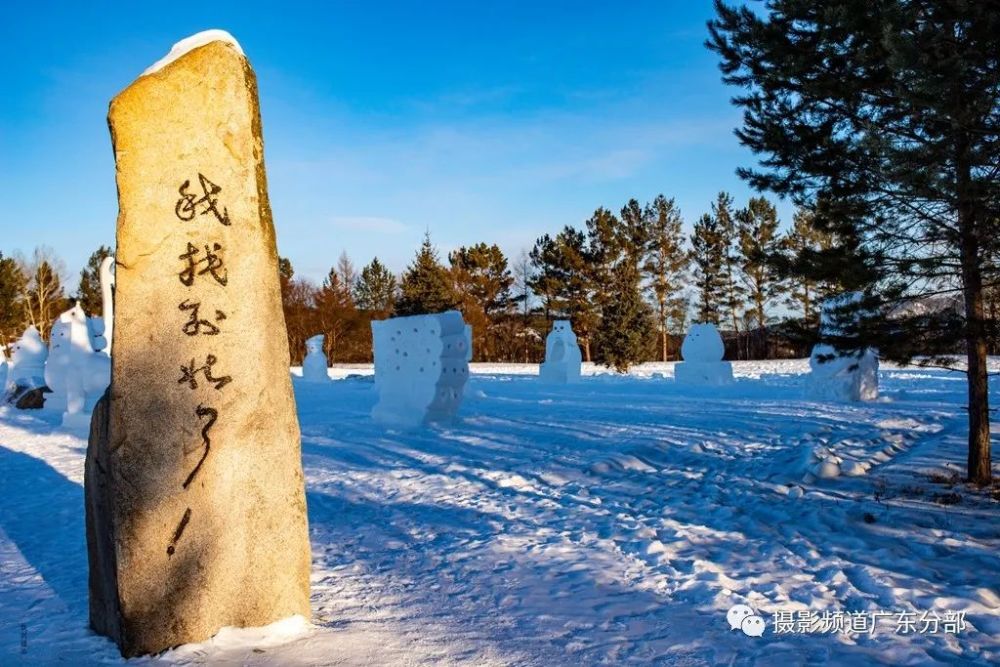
x=88, y=294
x=603, y=231
x=708, y=256
x=731, y=290
x=483, y=274
x=336, y=313
x=666, y=264
x=576, y=291
x=564, y=281
x=624, y=330
x=804, y=243
x=482, y=281
x=881, y=117
x=375, y=289
x=626, y=327
x=545, y=279
x=426, y=285
x=12, y=290
x=758, y=242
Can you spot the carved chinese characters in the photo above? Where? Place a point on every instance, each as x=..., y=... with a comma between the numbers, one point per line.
x=196, y=513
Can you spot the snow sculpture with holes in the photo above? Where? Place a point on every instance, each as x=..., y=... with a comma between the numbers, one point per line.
x=421, y=366
x=562, y=355
x=314, y=367
x=847, y=375
x=702, y=351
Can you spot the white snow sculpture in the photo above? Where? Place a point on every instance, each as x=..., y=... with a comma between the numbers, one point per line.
x=101, y=328
x=26, y=370
x=75, y=373
x=841, y=376
x=314, y=367
x=468, y=342
x=702, y=351
x=421, y=366
x=562, y=355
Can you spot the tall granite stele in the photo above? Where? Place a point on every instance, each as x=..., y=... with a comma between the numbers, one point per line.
x=196, y=512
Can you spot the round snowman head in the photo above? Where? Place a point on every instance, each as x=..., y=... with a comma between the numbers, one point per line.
x=562, y=329
x=703, y=343
x=314, y=345
x=29, y=348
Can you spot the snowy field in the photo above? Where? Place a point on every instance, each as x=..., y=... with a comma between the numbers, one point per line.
x=610, y=522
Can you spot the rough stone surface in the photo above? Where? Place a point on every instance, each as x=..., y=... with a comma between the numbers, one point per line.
x=26, y=398
x=196, y=514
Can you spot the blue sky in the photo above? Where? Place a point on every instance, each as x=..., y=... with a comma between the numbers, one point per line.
x=478, y=121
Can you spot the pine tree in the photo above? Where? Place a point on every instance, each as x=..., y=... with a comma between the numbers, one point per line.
x=603, y=231
x=563, y=281
x=731, y=290
x=666, y=265
x=12, y=290
x=804, y=242
x=88, y=294
x=544, y=281
x=708, y=257
x=336, y=313
x=881, y=118
x=758, y=242
x=482, y=281
x=626, y=327
x=375, y=289
x=426, y=285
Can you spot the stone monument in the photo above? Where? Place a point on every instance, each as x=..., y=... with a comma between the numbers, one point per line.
x=196, y=513
x=562, y=355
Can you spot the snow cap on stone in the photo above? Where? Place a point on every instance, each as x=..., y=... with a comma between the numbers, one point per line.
x=190, y=44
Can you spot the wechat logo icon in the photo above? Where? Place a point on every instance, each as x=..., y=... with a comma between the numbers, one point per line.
x=742, y=617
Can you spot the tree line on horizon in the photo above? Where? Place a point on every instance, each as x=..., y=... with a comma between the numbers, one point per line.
x=630, y=283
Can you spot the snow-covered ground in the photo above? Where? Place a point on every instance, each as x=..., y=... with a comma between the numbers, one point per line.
x=610, y=522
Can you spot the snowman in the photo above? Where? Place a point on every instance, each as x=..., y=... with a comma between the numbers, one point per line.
x=562, y=355
x=841, y=375
x=314, y=365
x=74, y=372
x=26, y=370
x=702, y=351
